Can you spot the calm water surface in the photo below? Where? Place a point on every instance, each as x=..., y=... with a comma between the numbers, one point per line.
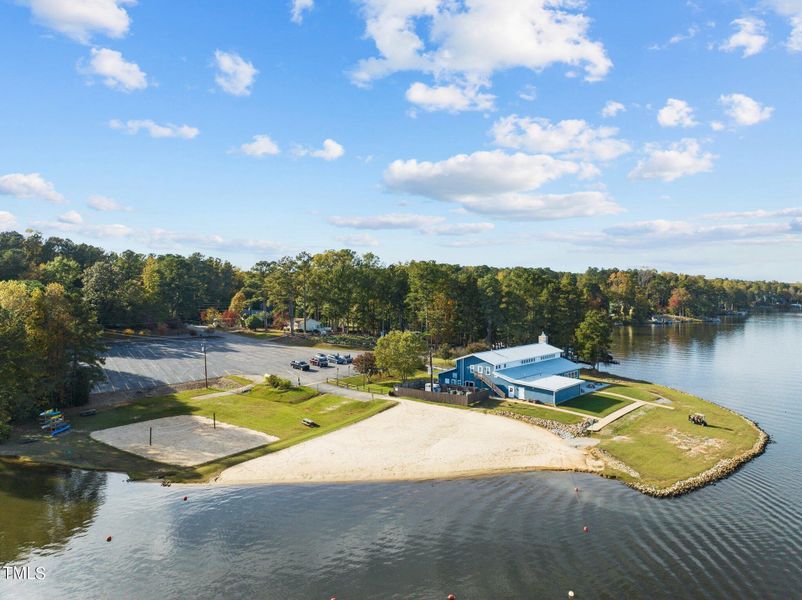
x=517, y=536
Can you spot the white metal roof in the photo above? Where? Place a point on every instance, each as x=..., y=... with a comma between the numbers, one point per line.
x=504, y=355
x=553, y=383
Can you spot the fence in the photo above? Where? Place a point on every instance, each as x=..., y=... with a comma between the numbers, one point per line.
x=456, y=399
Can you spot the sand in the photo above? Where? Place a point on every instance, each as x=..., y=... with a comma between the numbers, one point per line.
x=413, y=441
x=184, y=440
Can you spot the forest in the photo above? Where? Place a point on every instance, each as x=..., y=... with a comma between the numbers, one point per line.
x=57, y=297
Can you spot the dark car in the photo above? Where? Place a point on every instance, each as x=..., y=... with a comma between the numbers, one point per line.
x=300, y=364
x=319, y=361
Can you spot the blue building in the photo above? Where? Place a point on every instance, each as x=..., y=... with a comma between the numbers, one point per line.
x=535, y=373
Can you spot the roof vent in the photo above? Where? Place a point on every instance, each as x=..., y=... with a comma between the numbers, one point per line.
x=543, y=338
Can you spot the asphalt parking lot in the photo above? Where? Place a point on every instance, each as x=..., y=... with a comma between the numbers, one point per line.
x=143, y=364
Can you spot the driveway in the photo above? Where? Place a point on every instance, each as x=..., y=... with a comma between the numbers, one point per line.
x=140, y=364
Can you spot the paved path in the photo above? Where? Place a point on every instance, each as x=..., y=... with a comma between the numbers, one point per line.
x=633, y=399
x=602, y=423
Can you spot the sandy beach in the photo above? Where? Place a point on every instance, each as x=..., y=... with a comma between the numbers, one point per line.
x=413, y=441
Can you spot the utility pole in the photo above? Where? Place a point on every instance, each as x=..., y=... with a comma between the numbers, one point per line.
x=205, y=368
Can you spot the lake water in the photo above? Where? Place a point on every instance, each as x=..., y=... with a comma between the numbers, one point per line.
x=515, y=536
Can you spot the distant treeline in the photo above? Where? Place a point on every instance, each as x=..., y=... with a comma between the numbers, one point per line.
x=455, y=305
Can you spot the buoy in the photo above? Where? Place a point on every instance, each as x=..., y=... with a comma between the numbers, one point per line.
x=185, y=498
x=576, y=489
x=108, y=539
x=570, y=594
x=585, y=529
x=452, y=597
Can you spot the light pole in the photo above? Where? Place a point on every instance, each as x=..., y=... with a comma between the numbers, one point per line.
x=338, y=375
x=205, y=369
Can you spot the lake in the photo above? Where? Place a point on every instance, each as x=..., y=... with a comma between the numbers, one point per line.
x=513, y=536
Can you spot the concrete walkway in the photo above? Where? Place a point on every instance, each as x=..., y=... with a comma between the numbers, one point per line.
x=601, y=424
x=613, y=394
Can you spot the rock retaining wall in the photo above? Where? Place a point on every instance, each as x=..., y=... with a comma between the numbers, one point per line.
x=563, y=430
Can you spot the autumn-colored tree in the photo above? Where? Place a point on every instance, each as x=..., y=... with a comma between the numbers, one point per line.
x=679, y=300
x=365, y=364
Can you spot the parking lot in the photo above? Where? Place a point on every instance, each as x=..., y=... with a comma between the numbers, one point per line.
x=139, y=364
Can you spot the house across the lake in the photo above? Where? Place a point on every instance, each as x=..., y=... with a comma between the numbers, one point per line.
x=535, y=372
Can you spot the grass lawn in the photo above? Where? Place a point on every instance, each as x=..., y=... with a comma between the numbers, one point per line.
x=635, y=393
x=263, y=409
x=595, y=405
x=379, y=384
x=533, y=410
x=240, y=380
x=664, y=447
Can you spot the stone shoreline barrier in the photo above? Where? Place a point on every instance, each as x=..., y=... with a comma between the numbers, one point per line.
x=563, y=430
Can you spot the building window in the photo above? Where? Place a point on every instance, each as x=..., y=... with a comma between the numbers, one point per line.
x=511, y=390
x=470, y=368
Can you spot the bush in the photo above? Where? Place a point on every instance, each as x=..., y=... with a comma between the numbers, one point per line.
x=5, y=432
x=352, y=341
x=474, y=347
x=279, y=383
x=254, y=322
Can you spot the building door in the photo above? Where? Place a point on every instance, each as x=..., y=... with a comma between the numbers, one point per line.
x=521, y=393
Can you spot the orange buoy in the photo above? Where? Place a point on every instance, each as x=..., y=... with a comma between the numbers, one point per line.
x=585, y=529
x=108, y=539
x=452, y=597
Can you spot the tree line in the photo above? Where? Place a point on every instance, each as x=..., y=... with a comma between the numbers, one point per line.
x=56, y=296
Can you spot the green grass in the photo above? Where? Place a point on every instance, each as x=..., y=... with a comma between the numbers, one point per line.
x=595, y=404
x=664, y=447
x=635, y=393
x=263, y=409
x=240, y=380
x=379, y=384
x=533, y=410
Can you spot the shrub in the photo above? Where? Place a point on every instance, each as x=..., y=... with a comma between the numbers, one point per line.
x=5, y=432
x=279, y=383
x=254, y=322
x=476, y=347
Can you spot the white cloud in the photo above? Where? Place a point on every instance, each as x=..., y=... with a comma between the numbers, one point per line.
x=80, y=19
x=117, y=73
x=688, y=34
x=105, y=204
x=73, y=217
x=717, y=126
x=743, y=110
x=262, y=145
x=572, y=138
x=612, y=108
x=758, y=214
x=299, y=7
x=678, y=160
x=432, y=225
x=465, y=43
x=750, y=35
x=29, y=186
x=451, y=98
x=167, y=130
x=792, y=9
x=358, y=240
x=498, y=184
x=676, y=113
x=528, y=93
x=7, y=221
x=331, y=150
x=235, y=75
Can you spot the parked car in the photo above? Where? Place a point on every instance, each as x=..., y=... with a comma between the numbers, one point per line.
x=336, y=359
x=300, y=364
x=347, y=358
x=319, y=360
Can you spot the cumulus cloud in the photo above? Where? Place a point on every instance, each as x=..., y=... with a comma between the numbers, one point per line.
x=235, y=75
x=572, y=138
x=331, y=150
x=433, y=225
x=105, y=204
x=451, y=98
x=80, y=19
x=612, y=108
x=116, y=72
x=679, y=159
x=72, y=217
x=299, y=7
x=29, y=186
x=262, y=145
x=7, y=221
x=465, y=43
x=743, y=110
x=750, y=35
x=676, y=113
x=792, y=9
x=167, y=130
x=498, y=184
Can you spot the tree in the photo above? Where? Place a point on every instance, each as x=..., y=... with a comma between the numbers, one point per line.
x=680, y=298
x=237, y=304
x=365, y=364
x=400, y=353
x=594, y=337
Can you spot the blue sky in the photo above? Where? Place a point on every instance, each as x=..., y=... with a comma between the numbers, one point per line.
x=470, y=131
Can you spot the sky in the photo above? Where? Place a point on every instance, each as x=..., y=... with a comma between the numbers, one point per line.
x=554, y=133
